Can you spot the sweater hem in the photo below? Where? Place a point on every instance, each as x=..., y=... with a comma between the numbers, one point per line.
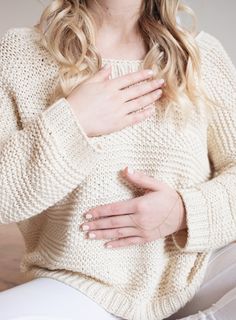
x=120, y=305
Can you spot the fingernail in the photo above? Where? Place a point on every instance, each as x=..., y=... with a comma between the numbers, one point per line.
x=92, y=235
x=159, y=92
x=161, y=81
x=108, y=246
x=85, y=227
x=150, y=72
x=130, y=170
x=88, y=216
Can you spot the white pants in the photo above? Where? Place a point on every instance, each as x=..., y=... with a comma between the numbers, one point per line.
x=49, y=299
x=216, y=298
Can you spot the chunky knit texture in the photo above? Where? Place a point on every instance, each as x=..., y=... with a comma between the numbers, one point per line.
x=51, y=172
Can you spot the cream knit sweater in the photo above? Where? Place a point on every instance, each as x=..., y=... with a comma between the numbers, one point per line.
x=51, y=173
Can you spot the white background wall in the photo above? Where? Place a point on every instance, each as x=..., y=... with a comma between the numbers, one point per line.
x=214, y=16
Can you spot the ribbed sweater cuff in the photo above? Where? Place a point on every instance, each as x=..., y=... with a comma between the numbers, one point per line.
x=74, y=144
x=196, y=237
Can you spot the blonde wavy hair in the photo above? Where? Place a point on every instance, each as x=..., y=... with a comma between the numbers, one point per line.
x=67, y=30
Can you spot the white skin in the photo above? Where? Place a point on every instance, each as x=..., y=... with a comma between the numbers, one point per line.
x=102, y=107
x=118, y=32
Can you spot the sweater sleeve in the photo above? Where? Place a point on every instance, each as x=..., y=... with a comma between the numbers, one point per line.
x=211, y=206
x=42, y=162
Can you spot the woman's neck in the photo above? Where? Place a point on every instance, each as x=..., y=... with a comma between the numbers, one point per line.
x=118, y=32
x=120, y=16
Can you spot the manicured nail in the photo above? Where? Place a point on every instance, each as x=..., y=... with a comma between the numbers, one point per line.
x=150, y=72
x=108, y=246
x=161, y=81
x=85, y=227
x=88, y=216
x=130, y=170
x=92, y=235
x=158, y=92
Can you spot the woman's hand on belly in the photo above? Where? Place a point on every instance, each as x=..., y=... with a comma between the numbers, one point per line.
x=154, y=215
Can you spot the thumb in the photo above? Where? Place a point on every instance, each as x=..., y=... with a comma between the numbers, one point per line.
x=102, y=74
x=140, y=179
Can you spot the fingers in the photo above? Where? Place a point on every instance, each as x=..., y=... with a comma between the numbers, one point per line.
x=113, y=233
x=101, y=75
x=109, y=222
x=131, y=78
x=142, y=102
x=116, y=208
x=136, y=117
x=141, y=179
x=142, y=89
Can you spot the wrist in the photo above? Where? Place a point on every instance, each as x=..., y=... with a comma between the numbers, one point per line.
x=78, y=116
x=183, y=218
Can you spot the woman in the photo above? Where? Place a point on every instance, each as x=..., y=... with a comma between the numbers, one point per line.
x=104, y=242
